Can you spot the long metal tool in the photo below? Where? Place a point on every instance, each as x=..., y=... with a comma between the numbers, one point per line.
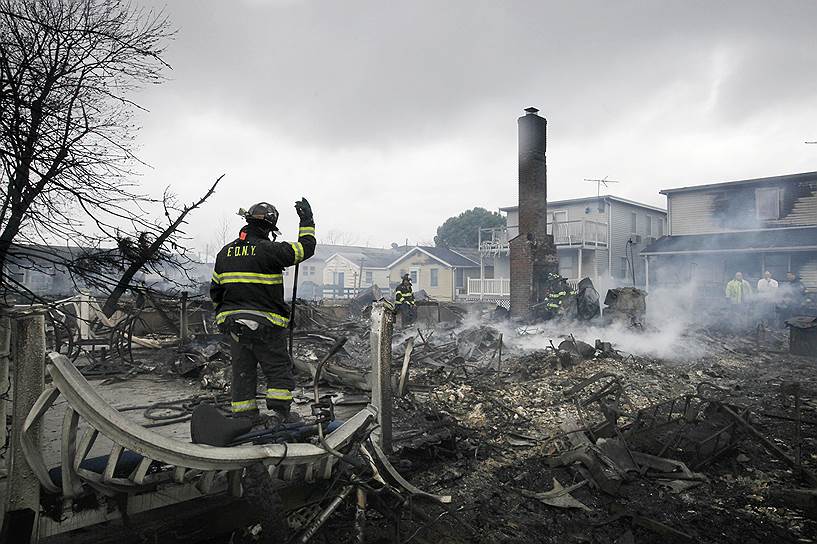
x=772, y=448
x=292, y=309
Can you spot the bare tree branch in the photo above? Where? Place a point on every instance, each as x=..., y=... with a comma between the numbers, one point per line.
x=151, y=250
x=67, y=69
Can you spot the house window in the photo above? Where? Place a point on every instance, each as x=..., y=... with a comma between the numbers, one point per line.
x=660, y=227
x=767, y=203
x=624, y=267
x=649, y=225
x=634, y=223
x=434, y=277
x=567, y=266
x=369, y=277
x=413, y=275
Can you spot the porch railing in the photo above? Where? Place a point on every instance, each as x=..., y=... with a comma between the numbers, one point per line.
x=578, y=232
x=490, y=287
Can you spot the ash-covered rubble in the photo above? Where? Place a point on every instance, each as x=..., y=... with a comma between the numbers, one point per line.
x=583, y=429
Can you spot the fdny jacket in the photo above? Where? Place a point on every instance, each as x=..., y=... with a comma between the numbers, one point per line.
x=248, y=278
x=404, y=294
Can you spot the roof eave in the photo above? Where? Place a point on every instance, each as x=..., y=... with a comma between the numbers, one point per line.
x=753, y=181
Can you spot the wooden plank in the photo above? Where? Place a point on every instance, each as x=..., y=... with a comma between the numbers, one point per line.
x=30, y=439
x=85, y=445
x=402, y=387
x=113, y=460
x=140, y=472
x=71, y=486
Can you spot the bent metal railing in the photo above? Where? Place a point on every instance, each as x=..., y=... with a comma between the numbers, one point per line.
x=287, y=461
x=155, y=470
x=188, y=471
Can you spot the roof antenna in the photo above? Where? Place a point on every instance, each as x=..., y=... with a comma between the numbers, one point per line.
x=600, y=182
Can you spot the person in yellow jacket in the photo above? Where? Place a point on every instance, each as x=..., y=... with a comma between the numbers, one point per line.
x=738, y=290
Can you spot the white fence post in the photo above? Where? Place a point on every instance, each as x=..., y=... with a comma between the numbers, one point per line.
x=380, y=338
x=22, y=508
x=5, y=385
x=84, y=315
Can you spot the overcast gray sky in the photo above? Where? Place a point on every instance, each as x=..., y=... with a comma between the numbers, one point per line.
x=392, y=116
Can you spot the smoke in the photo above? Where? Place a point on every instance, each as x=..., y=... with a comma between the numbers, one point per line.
x=669, y=341
x=668, y=332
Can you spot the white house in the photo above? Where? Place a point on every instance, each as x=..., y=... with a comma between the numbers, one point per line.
x=595, y=237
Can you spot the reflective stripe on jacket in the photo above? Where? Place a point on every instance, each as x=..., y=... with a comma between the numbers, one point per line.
x=248, y=278
x=403, y=294
x=738, y=291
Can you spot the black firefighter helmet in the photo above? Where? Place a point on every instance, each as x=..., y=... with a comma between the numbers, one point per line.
x=263, y=214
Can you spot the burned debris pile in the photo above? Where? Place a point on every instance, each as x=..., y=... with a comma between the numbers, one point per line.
x=553, y=431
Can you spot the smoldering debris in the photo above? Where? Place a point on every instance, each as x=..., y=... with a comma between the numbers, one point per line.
x=640, y=428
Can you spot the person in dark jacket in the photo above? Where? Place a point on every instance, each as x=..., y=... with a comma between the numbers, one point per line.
x=248, y=290
x=404, y=301
x=404, y=294
x=792, y=297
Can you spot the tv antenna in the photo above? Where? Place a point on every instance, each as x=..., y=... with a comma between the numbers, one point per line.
x=600, y=182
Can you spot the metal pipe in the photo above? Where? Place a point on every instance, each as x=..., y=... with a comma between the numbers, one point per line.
x=332, y=351
x=328, y=511
x=771, y=447
x=292, y=308
x=797, y=439
x=360, y=516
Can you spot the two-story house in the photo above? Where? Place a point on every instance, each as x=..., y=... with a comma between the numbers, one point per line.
x=596, y=237
x=747, y=226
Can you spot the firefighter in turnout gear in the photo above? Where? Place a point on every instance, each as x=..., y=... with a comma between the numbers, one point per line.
x=404, y=301
x=248, y=291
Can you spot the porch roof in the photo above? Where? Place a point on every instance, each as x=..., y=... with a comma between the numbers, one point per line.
x=786, y=239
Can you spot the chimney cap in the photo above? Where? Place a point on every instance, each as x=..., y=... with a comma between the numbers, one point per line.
x=531, y=110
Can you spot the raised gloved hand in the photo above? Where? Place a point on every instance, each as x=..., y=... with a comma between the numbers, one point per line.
x=304, y=210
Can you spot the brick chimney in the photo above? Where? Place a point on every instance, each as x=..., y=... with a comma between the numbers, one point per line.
x=532, y=252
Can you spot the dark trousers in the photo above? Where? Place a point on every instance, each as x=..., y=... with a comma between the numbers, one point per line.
x=407, y=314
x=272, y=355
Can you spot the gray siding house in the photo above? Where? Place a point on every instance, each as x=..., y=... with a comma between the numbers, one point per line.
x=595, y=237
x=749, y=226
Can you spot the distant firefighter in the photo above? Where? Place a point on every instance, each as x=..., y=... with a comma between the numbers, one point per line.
x=404, y=301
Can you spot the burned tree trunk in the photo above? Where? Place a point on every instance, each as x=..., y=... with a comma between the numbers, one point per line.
x=125, y=281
